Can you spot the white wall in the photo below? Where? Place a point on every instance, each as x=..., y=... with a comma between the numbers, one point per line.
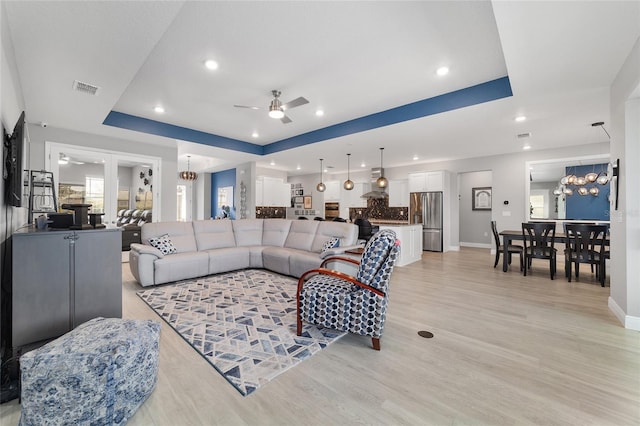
x=624, y=300
x=475, y=225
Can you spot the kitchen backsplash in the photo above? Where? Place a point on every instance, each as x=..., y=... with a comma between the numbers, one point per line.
x=379, y=209
x=270, y=212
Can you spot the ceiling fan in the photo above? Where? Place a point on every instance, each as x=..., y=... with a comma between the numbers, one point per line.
x=277, y=108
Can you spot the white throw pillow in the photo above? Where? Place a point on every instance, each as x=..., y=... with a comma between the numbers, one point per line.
x=163, y=243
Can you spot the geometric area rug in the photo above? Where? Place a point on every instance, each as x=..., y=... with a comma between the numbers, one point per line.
x=243, y=323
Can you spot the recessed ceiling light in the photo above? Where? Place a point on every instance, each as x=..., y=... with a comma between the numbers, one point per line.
x=362, y=164
x=520, y=118
x=254, y=135
x=298, y=167
x=442, y=71
x=159, y=109
x=211, y=64
x=526, y=147
x=319, y=113
x=273, y=163
x=415, y=157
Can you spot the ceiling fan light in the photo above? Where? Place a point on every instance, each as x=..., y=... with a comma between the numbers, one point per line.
x=276, y=113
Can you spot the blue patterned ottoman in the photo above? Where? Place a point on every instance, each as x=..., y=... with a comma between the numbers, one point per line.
x=97, y=374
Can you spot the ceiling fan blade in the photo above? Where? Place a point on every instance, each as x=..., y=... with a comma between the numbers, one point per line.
x=285, y=120
x=294, y=103
x=247, y=106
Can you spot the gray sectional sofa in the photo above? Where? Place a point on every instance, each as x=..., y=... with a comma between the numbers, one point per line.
x=205, y=247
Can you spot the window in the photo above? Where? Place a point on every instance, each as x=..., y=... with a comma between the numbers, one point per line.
x=537, y=206
x=95, y=193
x=182, y=203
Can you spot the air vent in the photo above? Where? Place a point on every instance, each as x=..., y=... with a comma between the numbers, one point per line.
x=524, y=135
x=87, y=88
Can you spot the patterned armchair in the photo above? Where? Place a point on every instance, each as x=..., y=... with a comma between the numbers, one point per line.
x=357, y=304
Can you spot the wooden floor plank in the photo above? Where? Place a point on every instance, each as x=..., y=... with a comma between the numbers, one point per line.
x=507, y=350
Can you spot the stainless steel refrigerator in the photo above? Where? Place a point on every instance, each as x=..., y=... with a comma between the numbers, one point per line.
x=426, y=209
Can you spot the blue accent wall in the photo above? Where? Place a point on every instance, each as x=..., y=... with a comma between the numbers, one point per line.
x=220, y=180
x=474, y=95
x=588, y=207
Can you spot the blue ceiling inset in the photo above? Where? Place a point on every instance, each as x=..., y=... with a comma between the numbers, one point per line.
x=474, y=95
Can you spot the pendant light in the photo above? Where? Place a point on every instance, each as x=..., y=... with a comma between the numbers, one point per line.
x=348, y=184
x=188, y=174
x=321, y=186
x=382, y=181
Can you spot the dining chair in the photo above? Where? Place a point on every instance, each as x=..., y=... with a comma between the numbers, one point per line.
x=585, y=243
x=512, y=249
x=539, y=240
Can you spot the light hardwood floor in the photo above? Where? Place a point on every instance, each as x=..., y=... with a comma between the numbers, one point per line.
x=508, y=350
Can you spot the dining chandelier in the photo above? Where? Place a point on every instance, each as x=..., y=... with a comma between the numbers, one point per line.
x=188, y=174
x=581, y=185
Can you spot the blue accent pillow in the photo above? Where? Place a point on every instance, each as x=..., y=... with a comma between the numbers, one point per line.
x=332, y=242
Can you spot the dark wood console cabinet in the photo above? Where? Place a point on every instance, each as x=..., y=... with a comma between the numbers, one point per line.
x=61, y=279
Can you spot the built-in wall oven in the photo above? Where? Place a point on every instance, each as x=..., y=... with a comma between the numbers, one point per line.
x=331, y=211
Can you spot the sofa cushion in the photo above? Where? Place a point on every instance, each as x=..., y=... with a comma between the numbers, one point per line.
x=346, y=232
x=229, y=259
x=181, y=266
x=181, y=234
x=213, y=234
x=301, y=261
x=302, y=234
x=276, y=259
x=275, y=232
x=247, y=232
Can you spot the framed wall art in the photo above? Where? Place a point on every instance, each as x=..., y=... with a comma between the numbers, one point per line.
x=481, y=198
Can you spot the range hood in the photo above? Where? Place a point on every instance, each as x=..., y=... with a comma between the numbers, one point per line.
x=376, y=193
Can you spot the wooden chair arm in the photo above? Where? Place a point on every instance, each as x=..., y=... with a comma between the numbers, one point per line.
x=339, y=259
x=337, y=274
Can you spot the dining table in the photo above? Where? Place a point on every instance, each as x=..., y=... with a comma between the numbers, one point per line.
x=510, y=235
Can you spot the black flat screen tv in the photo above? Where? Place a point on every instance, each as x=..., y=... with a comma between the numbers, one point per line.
x=14, y=164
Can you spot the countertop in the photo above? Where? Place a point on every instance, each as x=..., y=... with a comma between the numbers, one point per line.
x=390, y=222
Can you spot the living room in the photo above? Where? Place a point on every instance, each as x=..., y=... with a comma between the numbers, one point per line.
x=509, y=178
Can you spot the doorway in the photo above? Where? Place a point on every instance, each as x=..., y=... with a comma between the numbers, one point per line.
x=109, y=180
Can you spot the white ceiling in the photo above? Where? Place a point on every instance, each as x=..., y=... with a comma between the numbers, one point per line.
x=351, y=59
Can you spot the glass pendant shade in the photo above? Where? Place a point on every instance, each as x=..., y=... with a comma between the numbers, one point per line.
x=594, y=191
x=581, y=180
x=583, y=191
x=348, y=184
x=567, y=191
x=382, y=181
x=591, y=177
x=321, y=186
x=603, y=179
x=571, y=179
x=557, y=191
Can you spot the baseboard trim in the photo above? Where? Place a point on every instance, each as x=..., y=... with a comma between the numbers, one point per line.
x=628, y=321
x=476, y=245
x=453, y=248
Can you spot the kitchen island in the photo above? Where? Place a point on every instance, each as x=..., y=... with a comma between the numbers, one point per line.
x=410, y=237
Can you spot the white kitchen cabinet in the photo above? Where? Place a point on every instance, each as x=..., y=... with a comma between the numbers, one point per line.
x=332, y=193
x=272, y=192
x=410, y=237
x=399, y=193
x=354, y=198
x=426, y=181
